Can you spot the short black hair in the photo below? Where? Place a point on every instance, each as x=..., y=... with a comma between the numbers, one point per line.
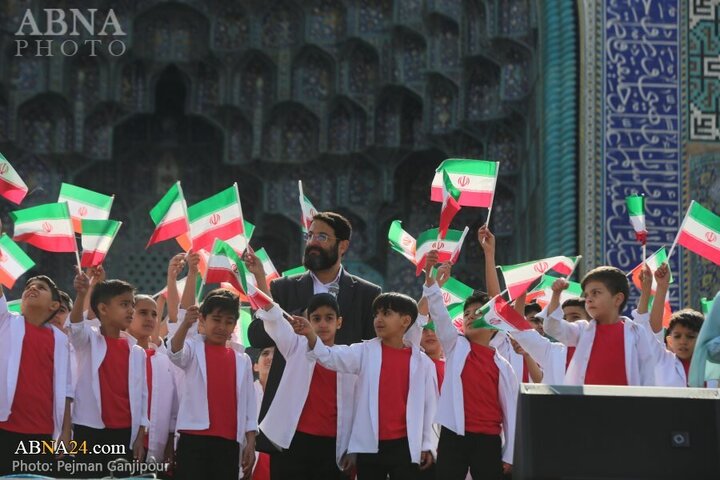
x=54, y=290
x=613, y=278
x=574, y=302
x=221, y=299
x=477, y=297
x=688, y=318
x=532, y=307
x=323, y=300
x=105, y=291
x=396, y=302
x=340, y=225
x=66, y=300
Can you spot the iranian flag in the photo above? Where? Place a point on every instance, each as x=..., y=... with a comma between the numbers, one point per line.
x=219, y=216
x=271, y=272
x=448, y=248
x=224, y=265
x=706, y=305
x=455, y=291
x=170, y=218
x=475, y=179
x=47, y=227
x=524, y=276
x=542, y=293
x=12, y=186
x=15, y=306
x=241, y=328
x=456, y=317
x=306, y=208
x=258, y=299
x=85, y=204
x=97, y=237
x=13, y=261
x=653, y=261
x=636, y=210
x=500, y=314
x=700, y=232
x=294, y=271
x=401, y=241
x=450, y=206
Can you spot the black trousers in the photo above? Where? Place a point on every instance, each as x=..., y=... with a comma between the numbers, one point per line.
x=309, y=457
x=206, y=457
x=111, y=445
x=24, y=462
x=482, y=454
x=393, y=459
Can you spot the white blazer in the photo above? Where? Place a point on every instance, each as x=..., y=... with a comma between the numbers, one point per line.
x=669, y=370
x=193, y=412
x=164, y=407
x=501, y=343
x=364, y=360
x=551, y=356
x=280, y=422
x=12, y=333
x=451, y=407
x=90, y=348
x=639, y=356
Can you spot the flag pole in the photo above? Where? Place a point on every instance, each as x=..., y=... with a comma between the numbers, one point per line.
x=644, y=252
x=487, y=220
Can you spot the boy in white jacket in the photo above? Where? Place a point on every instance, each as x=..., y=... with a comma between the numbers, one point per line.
x=478, y=399
x=311, y=415
x=396, y=392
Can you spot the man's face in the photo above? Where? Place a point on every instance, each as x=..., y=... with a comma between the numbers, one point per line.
x=323, y=249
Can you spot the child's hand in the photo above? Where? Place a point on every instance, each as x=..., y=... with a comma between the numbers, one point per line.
x=487, y=240
x=443, y=273
x=431, y=259
x=253, y=263
x=139, y=446
x=646, y=277
x=176, y=265
x=662, y=275
x=301, y=325
x=81, y=282
x=248, y=459
x=193, y=260
x=97, y=274
x=507, y=468
x=516, y=346
x=423, y=306
x=426, y=460
x=559, y=285
x=347, y=462
x=192, y=314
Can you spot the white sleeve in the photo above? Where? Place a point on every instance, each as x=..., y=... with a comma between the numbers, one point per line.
x=413, y=336
x=251, y=407
x=565, y=332
x=340, y=358
x=508, y=389
x=429, y=438
x=444, y=329
x=79, y=335
x=182, y=357
x=285, y=338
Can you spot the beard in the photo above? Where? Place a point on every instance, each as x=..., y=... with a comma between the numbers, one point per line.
x=323, y=260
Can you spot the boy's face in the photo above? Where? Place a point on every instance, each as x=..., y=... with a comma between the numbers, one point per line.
x=600, y=303
x=262, y=367
x=537, y=324
x=37, y=294
x=682, y=341
x=573, y=314
x=325, y=323
x=469, y=316
x=58, y=320
x=219, y=326
x=144, y=320
x=430, y=343
x=390, y=324
x=119, y=311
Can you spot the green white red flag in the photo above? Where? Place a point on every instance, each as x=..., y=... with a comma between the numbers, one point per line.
x=219, y=216
x=308, y=211
x=12, y=186
x=700, y=232
x=450, y=206
x=300, y=269
x=448, y=248
x=97, y=237
x=13, y=261
x=525, y=276
x=257, y=298
x=170, y=218
x=636, y=211
x=47, y=227
x=224, y=265
x=476, y=180
x=271, y=272
x=653, y=261
x=454, y=292
x=456, y=317
x=542, y=293
x=401, y=241
x=85, y=204
x=15, y=306
x=500, y=314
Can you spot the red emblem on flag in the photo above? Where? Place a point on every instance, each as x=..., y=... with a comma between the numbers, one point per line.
x=446, y=298
x=82, y=211
x=214, y=218
x=234, y=268
x=464, y=181
x=711, y=237
x=3, y=257
x=540, y=267
x=47, y=227
x=407, y=241
x=312, y=212
x=437, y=245
x=4, y=167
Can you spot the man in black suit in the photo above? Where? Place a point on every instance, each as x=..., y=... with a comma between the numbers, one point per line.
x=328, y=238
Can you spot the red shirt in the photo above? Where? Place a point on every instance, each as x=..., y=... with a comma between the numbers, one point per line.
x=440, y=369
x=32, y=407
x=606, y=365
x=526, y=374
x=221, y=393
x=480, y=378
x=319, y=415
x=686, y=366
x=570, y=353
x=149, y=352
x=114, y=381
x=393, y=393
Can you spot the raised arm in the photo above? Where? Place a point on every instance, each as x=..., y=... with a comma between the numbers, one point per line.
x=188, y=295
x=254, y=266
x=646, y=277
x=444, y=329
x=175, y=266
x=178, y=340
x=492, y=282
x=553, y=324
x=662, y=278
x=279, y=329
x=96, y=275
x=79, y=335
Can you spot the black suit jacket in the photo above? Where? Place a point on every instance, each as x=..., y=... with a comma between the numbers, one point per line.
x=355, y=298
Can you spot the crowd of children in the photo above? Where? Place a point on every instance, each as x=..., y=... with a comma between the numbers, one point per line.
x=423, y=399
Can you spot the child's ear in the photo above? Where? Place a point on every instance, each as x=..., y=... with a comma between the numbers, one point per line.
x=407, y=320
x=619, y=298
x=54, y=306
x=256, y=367
x=102, y=309
x=339, y=322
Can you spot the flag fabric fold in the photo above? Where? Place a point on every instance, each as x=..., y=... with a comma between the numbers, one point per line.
x=475, y=179
x=401, y=241
x=450, y=206
x=308, y=211
x=12, y=187
x=219, y=216
x=636, y=211
x=85, y=204
x=448, y=248
x=700, y=232
x=271, y=272
x=13, y=261
x=525, y=276
x=170, y=218
x=47, y=227
x=498, y=313
x=97, y=237
x=542, y=293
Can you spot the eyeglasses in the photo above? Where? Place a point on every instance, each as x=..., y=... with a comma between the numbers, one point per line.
x=320, y=237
